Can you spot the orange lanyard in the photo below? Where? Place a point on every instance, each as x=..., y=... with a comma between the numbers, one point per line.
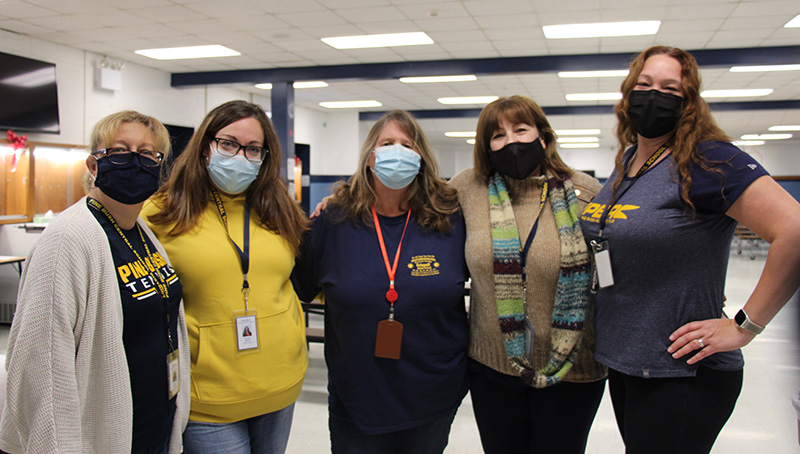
x=391, y=294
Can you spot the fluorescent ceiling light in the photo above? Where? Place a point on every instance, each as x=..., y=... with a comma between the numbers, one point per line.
x=736, y=93
x=766, y=136
x=602, y=29
x=794, y=23
x=593, y=96
x=608, y=73
x=784, y=128
x=181, y=53
x=577, y=132
x=577, y=139
x=384, y=40
x=460, y=134
x=300, y=85
x=764, y=68
x=471, y=141
x=750, y=143
x=350, y=104
x=579, y=145
x=468, y=100
x=435, y=79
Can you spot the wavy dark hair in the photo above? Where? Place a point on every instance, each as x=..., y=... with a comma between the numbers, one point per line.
x=185, y=195
x=429, y=196
x=695, y=125
x=515, y=109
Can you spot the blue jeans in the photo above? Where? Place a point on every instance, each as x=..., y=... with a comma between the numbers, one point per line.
x=430, y=438
x=265, y=434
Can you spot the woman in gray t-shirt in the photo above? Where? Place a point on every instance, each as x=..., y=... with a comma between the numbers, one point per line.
x=660, y=230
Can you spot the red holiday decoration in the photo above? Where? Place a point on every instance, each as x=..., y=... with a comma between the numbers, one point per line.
x=18, y=143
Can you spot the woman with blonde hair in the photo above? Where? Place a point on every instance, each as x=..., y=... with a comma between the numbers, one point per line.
x=534, y=384
x=98, y=358
x=661, y=230
x=234, y=232
x=388, y=255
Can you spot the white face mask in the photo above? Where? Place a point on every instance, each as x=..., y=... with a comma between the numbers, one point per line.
x=232, y=174
x=396, y=166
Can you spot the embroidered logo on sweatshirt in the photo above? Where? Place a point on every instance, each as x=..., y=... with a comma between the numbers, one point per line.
x=424, y=265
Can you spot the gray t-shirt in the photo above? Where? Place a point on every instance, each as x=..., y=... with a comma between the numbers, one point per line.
x=669, y=264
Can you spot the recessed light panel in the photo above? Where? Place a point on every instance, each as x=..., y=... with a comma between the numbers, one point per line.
x=350, y=104
x=437, y=79
x=183, y=53
x=602, y=29
x=383, y=40
x=468, y=100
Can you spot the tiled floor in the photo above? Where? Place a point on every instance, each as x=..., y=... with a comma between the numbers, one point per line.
x=764, y=420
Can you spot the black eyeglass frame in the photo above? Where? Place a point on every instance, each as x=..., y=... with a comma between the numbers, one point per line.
x=264, y=151
x=122, y=156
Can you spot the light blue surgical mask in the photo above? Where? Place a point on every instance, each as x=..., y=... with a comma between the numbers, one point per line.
x=396, y=166
x=232, y=174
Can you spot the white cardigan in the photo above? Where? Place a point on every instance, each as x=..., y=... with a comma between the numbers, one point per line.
x=68, y=388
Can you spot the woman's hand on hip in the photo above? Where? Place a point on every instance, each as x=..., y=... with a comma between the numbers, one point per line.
x=707, y=337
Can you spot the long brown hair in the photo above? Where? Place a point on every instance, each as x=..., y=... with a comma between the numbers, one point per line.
x=515, y=109
x=184, y=197
x=429, y=196
x=695, y=125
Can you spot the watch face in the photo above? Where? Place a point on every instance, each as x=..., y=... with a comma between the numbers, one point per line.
x=740, y=317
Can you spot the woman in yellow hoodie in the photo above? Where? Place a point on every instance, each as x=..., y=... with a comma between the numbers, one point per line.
x=232, y=231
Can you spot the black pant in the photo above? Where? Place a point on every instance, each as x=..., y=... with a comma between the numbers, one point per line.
x=515, y=418
x=673, y=415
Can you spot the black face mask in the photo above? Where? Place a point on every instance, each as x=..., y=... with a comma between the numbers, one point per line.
x=129, y=183
x=653, y=112
x=518, y=160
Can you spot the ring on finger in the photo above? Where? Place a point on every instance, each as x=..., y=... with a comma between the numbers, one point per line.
x=700, y=342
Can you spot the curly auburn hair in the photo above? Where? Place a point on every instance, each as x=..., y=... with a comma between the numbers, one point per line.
x=695, y=125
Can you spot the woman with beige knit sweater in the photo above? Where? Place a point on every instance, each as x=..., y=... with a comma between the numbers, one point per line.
x=534, y=384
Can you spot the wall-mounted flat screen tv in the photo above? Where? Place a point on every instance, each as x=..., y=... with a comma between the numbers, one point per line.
x=28, y=95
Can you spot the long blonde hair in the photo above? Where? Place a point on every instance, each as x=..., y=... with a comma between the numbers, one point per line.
x=428, y=196
x=695, y=125
x=185, y=195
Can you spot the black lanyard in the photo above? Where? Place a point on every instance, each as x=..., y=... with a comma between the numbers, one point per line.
x=529, y=240
x=244, y=255
x=649, y=163
x=151, y=267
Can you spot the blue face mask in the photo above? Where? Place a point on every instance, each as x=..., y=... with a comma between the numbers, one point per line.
x=231, y=174
x=396, y=166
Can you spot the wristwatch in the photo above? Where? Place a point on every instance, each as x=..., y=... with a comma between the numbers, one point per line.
x=744, y=322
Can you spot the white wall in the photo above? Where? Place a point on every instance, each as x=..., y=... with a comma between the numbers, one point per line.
x=333, y=136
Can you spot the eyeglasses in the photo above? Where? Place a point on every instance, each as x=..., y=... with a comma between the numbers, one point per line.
x=122, y=156
x=252, y=153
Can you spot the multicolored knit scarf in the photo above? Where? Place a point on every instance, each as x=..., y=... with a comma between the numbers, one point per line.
x=572, y=290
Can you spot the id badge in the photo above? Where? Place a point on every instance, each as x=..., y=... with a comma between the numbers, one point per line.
x=529, y=336
x=173, y=373
x=389, y=339
x=602, y=264
x=246, y=332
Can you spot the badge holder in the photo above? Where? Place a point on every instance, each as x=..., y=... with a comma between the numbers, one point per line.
x=173, y=373
x=529, y=336
x=389, y=338
x=604, y=277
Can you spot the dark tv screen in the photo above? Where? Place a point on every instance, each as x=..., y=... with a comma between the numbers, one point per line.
x=28, y=95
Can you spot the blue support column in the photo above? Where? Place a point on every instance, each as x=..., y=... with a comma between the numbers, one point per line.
x=283, y=119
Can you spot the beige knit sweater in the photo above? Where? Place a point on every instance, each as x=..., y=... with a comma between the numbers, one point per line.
x=543, y=266
x=68, y=388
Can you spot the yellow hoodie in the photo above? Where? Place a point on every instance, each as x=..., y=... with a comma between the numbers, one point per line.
x=229, y=385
